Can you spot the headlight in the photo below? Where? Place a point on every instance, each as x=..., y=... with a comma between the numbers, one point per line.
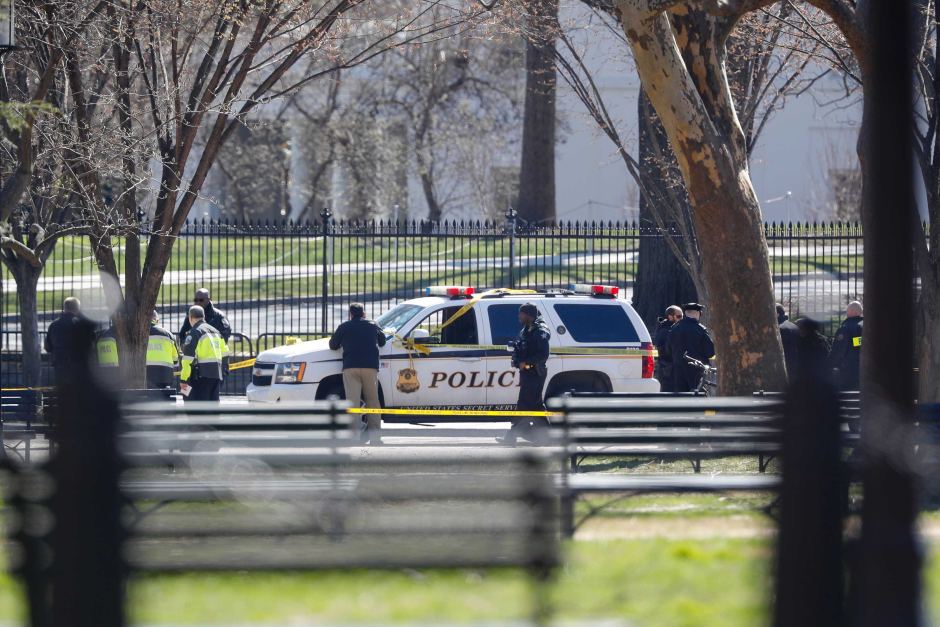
x=290, y=373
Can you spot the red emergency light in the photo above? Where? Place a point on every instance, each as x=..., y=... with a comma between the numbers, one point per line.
x=596, y=290
x=448, y=290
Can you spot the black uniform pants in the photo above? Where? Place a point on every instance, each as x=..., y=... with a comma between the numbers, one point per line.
x=159, y=377
x=204, y=390
x=685, y=378
x=531, y=384
x=665, y=376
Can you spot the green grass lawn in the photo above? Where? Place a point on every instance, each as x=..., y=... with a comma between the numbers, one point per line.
x=663, y=582
x=660, y=581
x=646, y=582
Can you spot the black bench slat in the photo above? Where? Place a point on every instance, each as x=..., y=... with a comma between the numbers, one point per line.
x=586, y=483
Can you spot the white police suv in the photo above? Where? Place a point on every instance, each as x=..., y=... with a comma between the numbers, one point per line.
x=449, y=350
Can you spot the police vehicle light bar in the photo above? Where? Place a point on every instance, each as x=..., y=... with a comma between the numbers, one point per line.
x=597, y=290
x=448, y=290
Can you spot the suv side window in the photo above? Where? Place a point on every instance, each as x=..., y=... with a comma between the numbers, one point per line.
x=504, y=322
x=596, y=322
x=463, y=330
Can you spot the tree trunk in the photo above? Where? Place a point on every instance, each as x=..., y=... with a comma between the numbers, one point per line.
x=27, y=278
x=661, y=280
x=537, y=173
x=133, y=334
x=700, y=121
x=886, y=583
x=928, y=359
x=434, y=209
x=425, y=173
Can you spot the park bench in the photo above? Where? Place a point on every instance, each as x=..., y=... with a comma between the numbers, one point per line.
x=22, y=421
x=669, y=427
x=290, y=496
x=663, y=426
x=849, y=416
x=28, y=415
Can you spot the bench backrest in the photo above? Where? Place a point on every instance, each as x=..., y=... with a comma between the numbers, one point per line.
x=20, y=406
x=675, y=420
x=358, y=513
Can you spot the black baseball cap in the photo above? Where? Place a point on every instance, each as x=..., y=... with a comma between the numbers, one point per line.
x=530, y=309
x=692, y=307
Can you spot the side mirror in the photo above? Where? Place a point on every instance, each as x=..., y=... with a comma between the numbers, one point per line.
x=426, y=340
x=419, y=333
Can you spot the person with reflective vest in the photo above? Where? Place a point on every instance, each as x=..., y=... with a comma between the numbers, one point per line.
x=162, y=356
x=107, y=349
x=214, y=317
x=846, y=354
x=203, y=351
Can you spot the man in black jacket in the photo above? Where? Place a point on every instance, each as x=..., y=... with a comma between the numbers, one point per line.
x=689, y=337
x=360, y=340
x=845, y=357
x=58, y=334
x=790, y=337
x=813, y=352
x=664, y=361
x=531, y=358
x=214, y=316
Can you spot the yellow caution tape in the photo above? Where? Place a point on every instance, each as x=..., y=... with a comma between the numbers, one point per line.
x=450, y=412
x=40, y=389
x=427, y=349
x=248, y=363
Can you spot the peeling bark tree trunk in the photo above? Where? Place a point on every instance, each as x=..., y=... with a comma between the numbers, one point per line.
x=683, y=74
x=661, y=278
x=537, y=172
x=27, y=278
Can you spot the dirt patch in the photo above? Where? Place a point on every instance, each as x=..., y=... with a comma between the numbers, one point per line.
x=699, y=527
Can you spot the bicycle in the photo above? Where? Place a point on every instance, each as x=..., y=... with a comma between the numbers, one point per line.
x=708, y=383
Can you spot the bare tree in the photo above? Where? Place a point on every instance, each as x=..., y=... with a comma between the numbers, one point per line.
x=181, y=78
x=39, y=204
x=927, y=152
x=537, y=172
x=452, y=93
x=768, y=63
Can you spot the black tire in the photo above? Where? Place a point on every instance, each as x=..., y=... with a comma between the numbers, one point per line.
x=596, y=385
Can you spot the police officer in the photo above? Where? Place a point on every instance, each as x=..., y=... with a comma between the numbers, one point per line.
x=106, y=347
x=203, y=349
x=214, y=316
x=790, y=337
x=664, y=361
x=530, y=357
x=162, y=355
x=689, y=337
x=58, y=334
x=846, y=353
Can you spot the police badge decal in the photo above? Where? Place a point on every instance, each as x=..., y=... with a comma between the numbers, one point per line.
x=407, y=381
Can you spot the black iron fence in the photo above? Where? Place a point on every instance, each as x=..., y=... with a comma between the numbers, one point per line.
x=279, y=280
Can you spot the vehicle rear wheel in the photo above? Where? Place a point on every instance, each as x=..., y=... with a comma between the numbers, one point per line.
x=582, y=383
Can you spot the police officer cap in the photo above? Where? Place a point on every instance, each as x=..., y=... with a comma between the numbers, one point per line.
x=530, y=309
x=692, y=307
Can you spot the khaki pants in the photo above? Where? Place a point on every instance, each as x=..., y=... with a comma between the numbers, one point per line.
x=364, y=383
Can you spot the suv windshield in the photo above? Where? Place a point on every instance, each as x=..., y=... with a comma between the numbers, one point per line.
x=396, y=317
